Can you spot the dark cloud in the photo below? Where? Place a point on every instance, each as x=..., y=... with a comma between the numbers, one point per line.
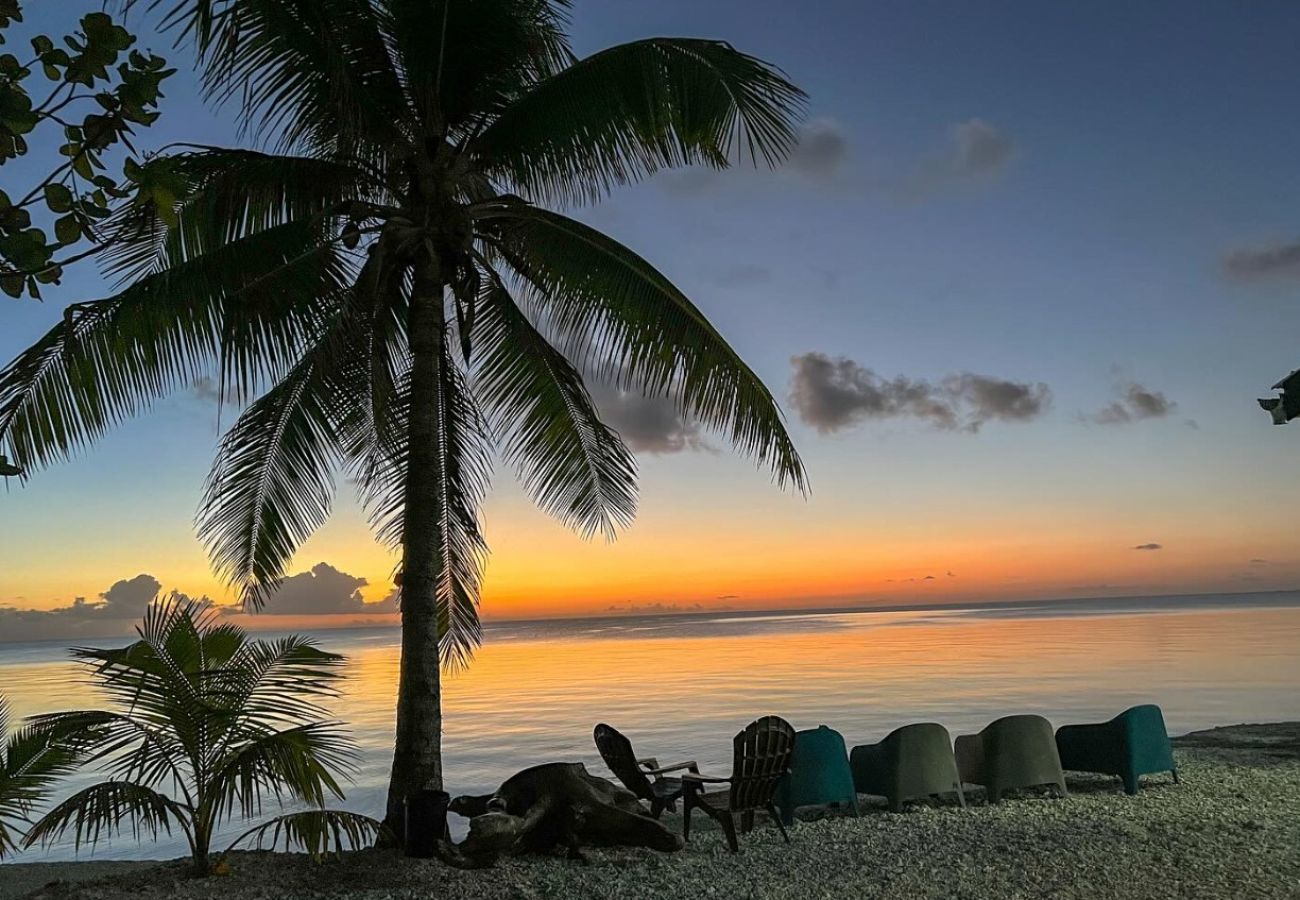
x=1151, y=546
x=744, y=276
x=834, y=394
x=821, y=150
x=976, y=150
x=113, y=614
x=1276, y=261
x=1134, y=404
x=647, y=424
x=1259, y=562
x=324, y=591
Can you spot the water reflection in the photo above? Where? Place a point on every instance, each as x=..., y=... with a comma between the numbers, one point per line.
x=681, y=687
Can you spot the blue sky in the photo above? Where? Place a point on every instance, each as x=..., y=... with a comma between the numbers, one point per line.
x=1035, y=193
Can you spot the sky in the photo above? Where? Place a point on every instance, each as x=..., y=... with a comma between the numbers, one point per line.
x=1016, y=291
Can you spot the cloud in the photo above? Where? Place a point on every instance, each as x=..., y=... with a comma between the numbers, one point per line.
x=744, y=276
x=647, y=424
x=1151, y=546
x=834, y=394
x=1259, y=562
x=1135, y=403
x=1280, y=260
x=116, y=610
x=821, y=149
x=324, y=591
x=977, y=150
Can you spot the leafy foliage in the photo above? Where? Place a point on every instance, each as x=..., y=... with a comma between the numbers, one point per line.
x=31, y=761
x=209, y=726
x=93, y=67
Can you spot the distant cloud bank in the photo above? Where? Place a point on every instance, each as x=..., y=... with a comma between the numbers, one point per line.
x=322, y=591
x=116, y=610
x=832, y=394
x=1152, y=546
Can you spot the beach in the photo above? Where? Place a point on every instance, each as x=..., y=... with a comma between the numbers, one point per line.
x=1229, y=830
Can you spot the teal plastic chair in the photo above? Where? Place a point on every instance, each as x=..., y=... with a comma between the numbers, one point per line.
x=1133, y=744
x=912, y=762
x=819, y=774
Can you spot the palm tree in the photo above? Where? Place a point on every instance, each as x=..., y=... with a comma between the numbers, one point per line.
x=31, y=761
x=386, y=286
x=210, y=725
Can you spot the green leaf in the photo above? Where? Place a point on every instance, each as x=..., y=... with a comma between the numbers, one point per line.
x=67, y=229
x=58, y=198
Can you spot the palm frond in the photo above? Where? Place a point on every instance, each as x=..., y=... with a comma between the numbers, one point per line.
x=292, y=763
x=249, y=305
x=32, y=759
x=106, y=809
x=320, y=832
x=575, y=467
x=624, y=113
x=462, y=61
x=311, y=72
x=224, y=195
x=634, y=325
x=272, y=484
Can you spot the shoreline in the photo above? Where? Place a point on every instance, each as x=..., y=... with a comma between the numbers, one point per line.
x=1229, y=830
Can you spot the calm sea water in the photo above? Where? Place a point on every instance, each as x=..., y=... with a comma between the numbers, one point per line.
x=681, y=686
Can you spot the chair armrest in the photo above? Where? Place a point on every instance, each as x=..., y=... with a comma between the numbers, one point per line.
x=675, y=767
x=648, y=762
x=698, y=779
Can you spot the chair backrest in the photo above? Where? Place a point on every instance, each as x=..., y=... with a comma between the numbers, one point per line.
x=762, y=758
x=1147, y=738
x=616, y=750
x=1021, y=751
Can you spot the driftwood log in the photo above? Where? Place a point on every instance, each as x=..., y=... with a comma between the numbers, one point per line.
x=556, y=807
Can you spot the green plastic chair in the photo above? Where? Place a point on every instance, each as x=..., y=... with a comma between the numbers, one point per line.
x=1133, y=744
x=819, y=774
x=912, y=762
x=1011, y=752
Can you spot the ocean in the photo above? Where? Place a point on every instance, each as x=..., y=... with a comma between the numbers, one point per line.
x=680, y=686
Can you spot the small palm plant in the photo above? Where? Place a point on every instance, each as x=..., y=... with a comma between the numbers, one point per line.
x=213, y=724
x=31, y=760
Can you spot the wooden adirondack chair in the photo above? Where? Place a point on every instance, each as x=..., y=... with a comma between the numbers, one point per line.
x=643, y=777
x=762, y=758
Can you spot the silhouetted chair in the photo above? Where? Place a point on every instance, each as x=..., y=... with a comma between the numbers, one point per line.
x=1133, y=744
x=761, y=759
x=819, y=774
x=1011, y=752
x=912, y=762
x=643, y=777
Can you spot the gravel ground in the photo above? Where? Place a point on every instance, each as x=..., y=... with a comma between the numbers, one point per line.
x=1232, y=829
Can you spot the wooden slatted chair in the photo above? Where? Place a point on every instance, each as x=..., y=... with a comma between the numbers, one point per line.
x=762, y=758
x=643, y=777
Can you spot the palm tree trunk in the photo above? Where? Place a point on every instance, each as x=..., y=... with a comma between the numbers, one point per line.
x=417, y=757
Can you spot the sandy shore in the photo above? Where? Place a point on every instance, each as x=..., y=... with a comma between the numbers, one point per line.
x=1232, y=829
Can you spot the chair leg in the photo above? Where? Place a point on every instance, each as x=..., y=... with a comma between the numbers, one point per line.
x=779, y=824
x=1060, y=786
x=895, y=803
x=688, y=803
x=1174, y=772
x=1130, y=784
x=729, y=828
x=961, y=798
x=656, y=808
x=747, y=821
